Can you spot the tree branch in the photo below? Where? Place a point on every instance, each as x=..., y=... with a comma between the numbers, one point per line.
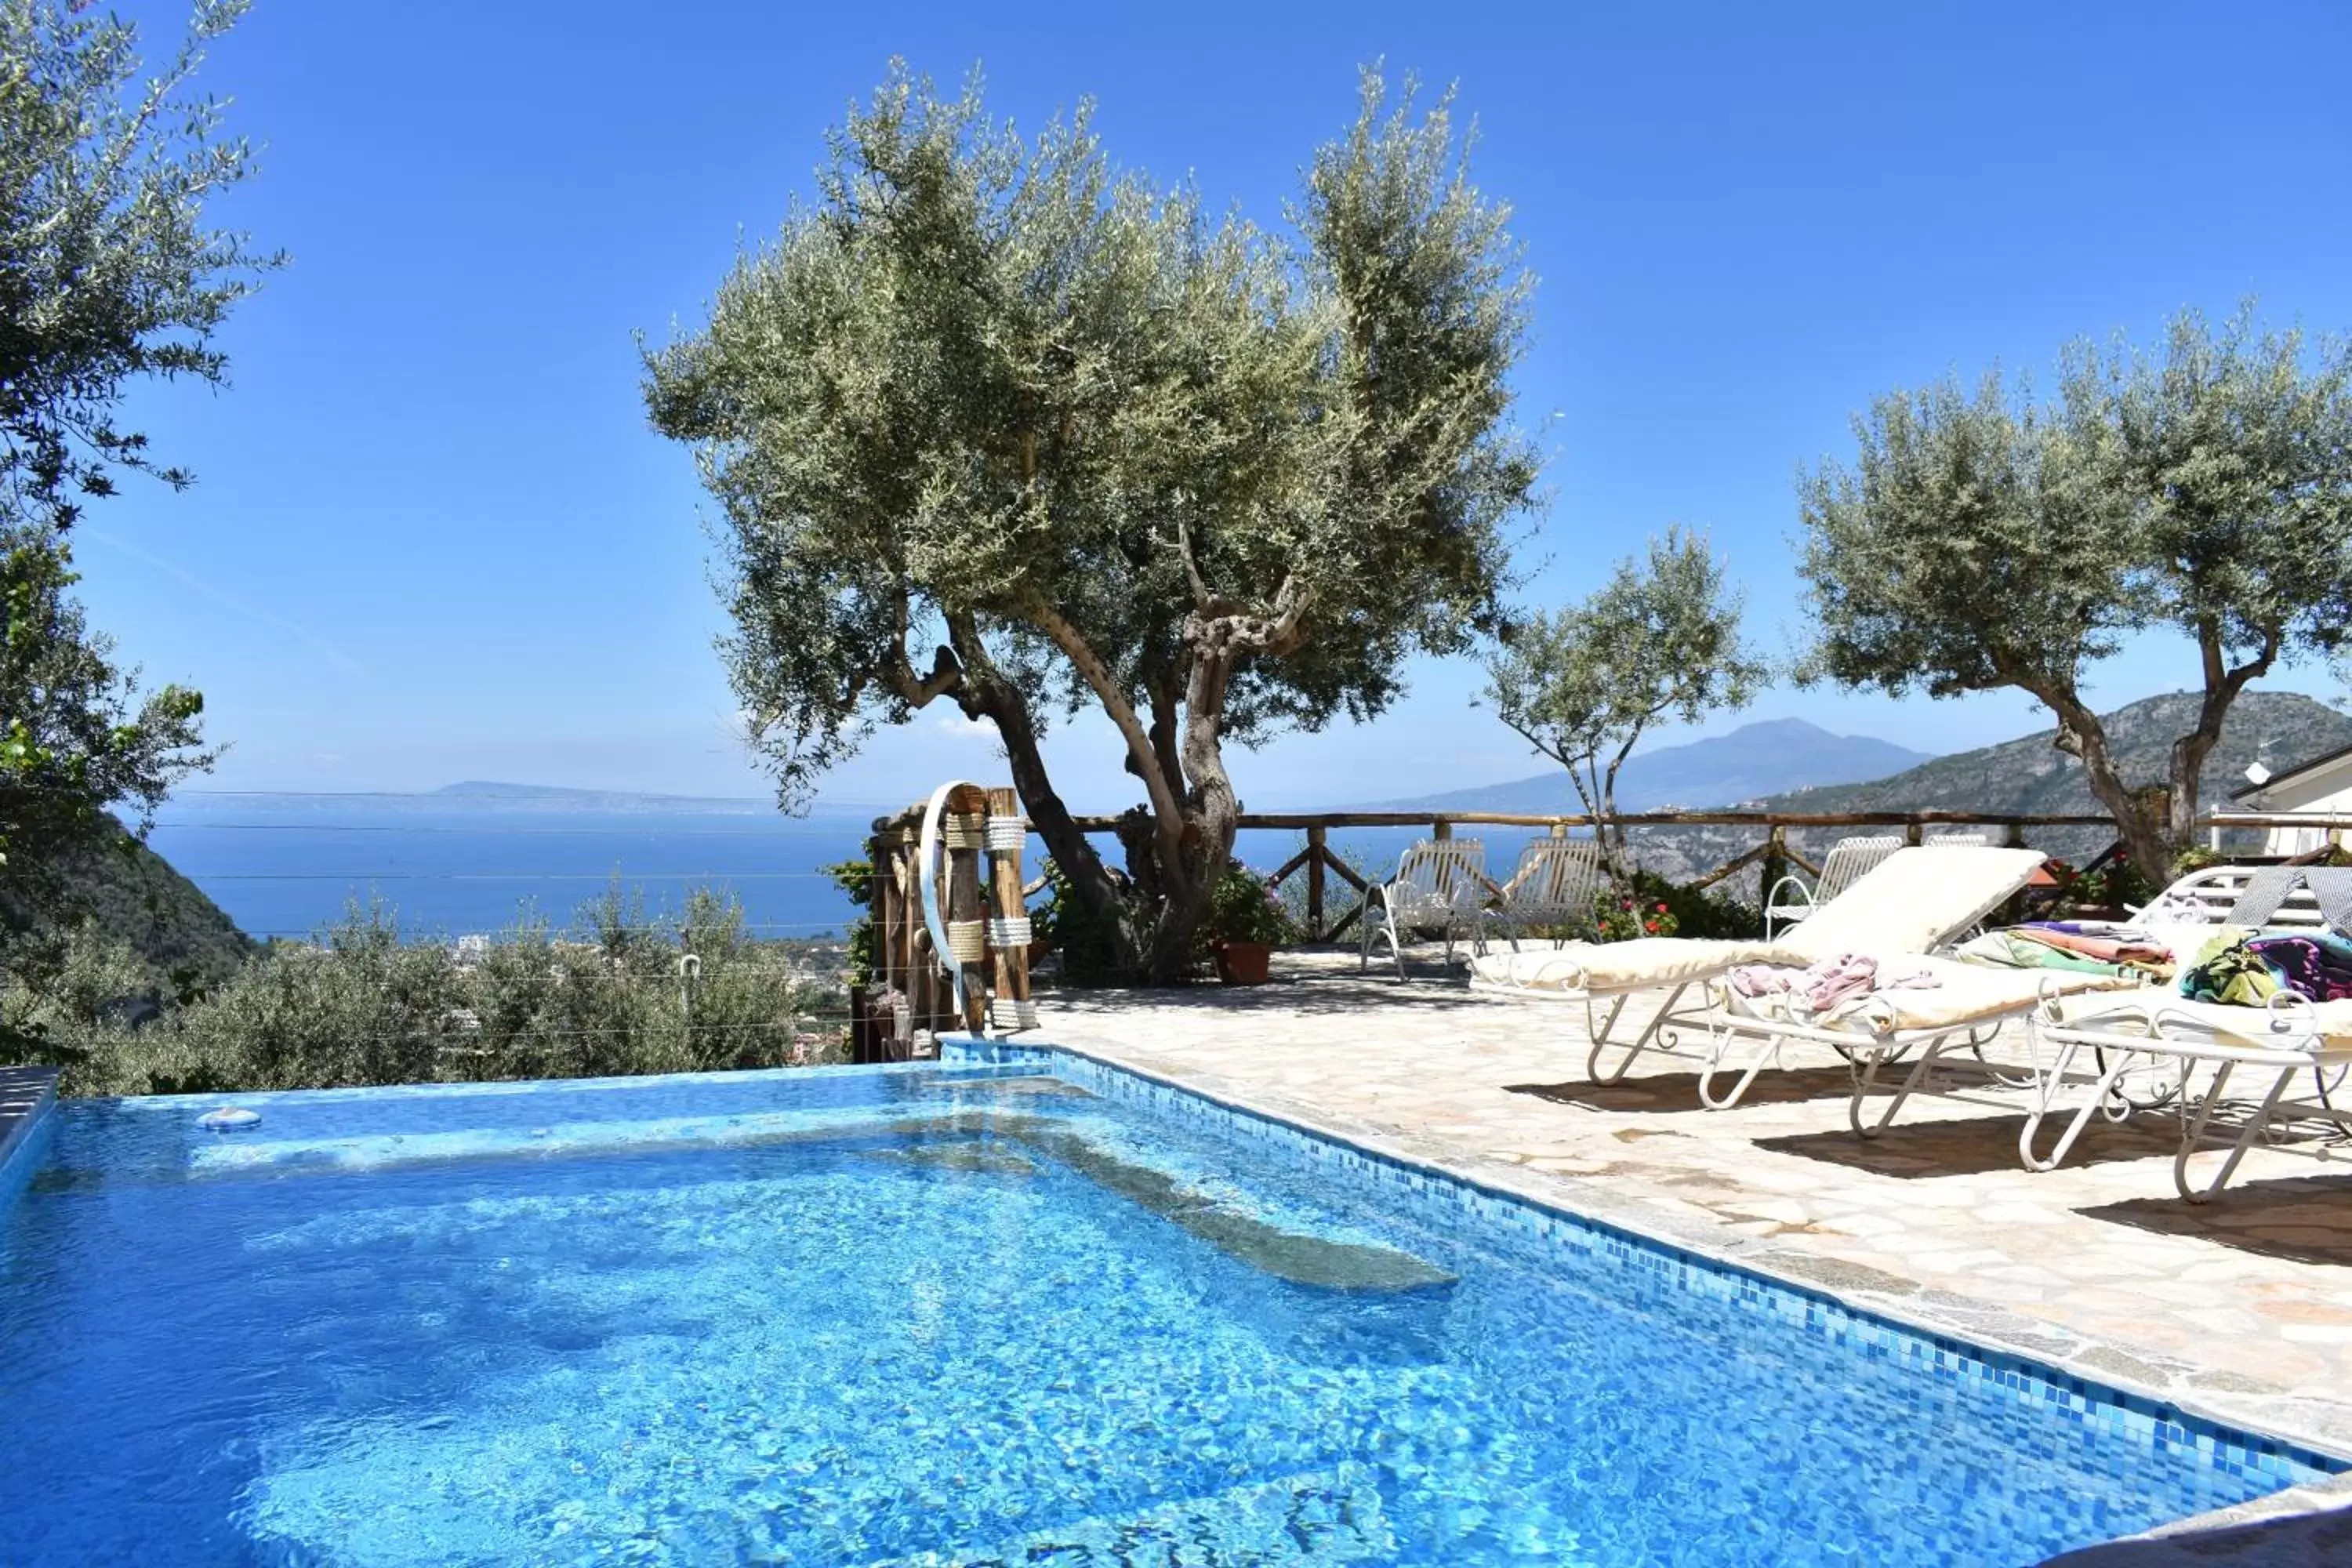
x=1145, y=760
x=947, y=674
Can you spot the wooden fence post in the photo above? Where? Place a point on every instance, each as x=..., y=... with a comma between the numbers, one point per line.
x=1775, y=865
x=1317, y=837
x=1442, y=828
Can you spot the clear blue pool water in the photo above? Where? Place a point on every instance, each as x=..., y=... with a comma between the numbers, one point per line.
x=932, y=1316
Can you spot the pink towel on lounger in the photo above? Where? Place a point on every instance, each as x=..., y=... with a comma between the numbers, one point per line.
x=1824, y=984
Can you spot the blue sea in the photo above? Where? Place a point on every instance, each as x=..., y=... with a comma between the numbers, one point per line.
x=451, y=865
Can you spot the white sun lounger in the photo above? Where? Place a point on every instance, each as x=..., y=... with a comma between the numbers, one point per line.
x=1961, y=1011
x=2132, y=1048
x=1915, y=901
x=2202, y=1046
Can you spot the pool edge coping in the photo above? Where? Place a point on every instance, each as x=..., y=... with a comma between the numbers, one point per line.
x=1637, y=1220
x=28, y=1098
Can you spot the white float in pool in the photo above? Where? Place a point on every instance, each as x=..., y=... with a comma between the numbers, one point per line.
x=228, y=1118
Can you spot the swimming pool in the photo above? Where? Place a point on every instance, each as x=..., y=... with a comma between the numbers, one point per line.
x=1030, y=1311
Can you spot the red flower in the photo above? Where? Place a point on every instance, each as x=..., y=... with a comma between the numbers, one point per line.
x=1650, y=925
x=1627, y=904
x=1662, y=908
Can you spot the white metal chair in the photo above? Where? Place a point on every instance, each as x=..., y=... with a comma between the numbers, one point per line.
x=1555, y=885
x=1440, y=886
x=1849, y=859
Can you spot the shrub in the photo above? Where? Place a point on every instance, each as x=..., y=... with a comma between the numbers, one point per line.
x=855, y=878
x=361, y=1007
x=1620, y=917
x=1088, y=943
x=2116, y=884
x=1243, y=906
x=1655, y=906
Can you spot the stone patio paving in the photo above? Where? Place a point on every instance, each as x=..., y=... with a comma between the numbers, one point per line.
x=2241, y=1309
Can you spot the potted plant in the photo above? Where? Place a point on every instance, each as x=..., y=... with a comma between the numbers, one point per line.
x=1245, y=921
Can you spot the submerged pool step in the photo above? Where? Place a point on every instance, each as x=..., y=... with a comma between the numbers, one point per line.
x=1333, y=1516
x=237, y=1152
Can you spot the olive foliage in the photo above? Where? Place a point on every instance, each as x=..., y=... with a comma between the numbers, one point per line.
x=1982, y=538
x=108, y=274
x=996, y=422
x=1659, y=642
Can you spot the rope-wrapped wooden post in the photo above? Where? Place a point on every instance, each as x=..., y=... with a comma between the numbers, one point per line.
x=1008, y=927
x=963, y=832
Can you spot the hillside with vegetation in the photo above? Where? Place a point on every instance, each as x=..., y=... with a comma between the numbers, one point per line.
x=2031, y=777
x=120, y=891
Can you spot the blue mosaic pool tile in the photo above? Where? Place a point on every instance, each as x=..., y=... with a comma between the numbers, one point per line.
x=1509, y=1218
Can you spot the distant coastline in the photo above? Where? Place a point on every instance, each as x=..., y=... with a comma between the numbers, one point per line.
x=486, y=794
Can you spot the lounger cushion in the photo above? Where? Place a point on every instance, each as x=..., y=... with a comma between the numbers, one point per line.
x=1907, y=903
x=1915, y=900
x=1611, y=967
x=2209, y=1022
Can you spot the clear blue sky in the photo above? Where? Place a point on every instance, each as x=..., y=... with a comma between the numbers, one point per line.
x=432, y=539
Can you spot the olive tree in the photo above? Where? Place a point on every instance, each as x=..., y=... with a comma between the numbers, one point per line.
x=1659, y=641
x=993, y=396
x=109, y=273
x=1983, y=539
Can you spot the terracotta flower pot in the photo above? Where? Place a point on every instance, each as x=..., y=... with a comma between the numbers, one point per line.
x=1243, y=962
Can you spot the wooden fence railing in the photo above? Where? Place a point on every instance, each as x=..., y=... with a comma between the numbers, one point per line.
x=1773, y=855
x=907, y=968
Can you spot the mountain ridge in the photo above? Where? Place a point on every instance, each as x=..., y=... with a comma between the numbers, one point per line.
x=2028, y=776
x=1757, y=759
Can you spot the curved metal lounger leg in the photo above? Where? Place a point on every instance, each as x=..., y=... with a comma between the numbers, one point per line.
x=2192, y=1138
x=1634, y=1048
x=1767, y=1049
x=1866, y=1077
x=1863, y=1066
x=1598, y=1032
x=2046, y=1095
